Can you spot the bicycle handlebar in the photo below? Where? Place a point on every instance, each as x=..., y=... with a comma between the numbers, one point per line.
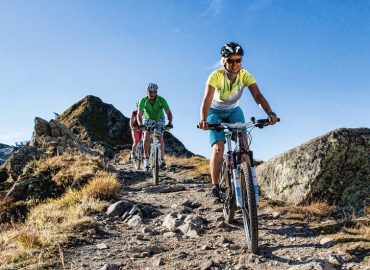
x=166, y=127
x=260, y=123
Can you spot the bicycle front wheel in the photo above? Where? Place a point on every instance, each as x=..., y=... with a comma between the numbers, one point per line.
x=227, y=195
x=249, y=208
x=155, y=167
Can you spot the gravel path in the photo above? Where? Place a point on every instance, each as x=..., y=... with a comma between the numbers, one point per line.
x=181, y=229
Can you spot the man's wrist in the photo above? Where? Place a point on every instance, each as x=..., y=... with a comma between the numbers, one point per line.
x=271, y=114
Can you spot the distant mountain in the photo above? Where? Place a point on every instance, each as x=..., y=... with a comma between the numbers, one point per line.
x=4, y=145
x=5, y=152
x=94, y=121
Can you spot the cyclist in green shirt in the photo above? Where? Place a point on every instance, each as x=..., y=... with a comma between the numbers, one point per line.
x=150, y=113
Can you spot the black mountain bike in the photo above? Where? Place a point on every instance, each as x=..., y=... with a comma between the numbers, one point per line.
x=237, y=188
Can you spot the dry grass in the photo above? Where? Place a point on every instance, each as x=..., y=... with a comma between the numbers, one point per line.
x=361, y=226
x=68, y=168
x=27, y=240
x=103, y=186
x=51, y=223
x=123, y=157
x=312, y=212
x=193, y=167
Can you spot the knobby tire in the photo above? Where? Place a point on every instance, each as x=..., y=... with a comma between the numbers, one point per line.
x=155, y=168
x=228, y=199
x=139, y=158
x=249, y=208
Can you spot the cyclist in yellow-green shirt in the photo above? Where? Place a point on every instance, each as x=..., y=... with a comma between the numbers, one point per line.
x=151, y=113
x=223, y=90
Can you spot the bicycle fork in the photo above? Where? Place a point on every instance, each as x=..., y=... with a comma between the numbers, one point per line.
x=234, y=169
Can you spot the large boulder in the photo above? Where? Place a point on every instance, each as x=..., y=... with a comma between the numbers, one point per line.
x=334, y=168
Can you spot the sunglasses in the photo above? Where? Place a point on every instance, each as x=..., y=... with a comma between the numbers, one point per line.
x=152, y=91
x=233, y=61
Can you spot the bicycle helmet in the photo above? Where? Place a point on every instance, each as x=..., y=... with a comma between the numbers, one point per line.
x=230, y=49
x=152, y=86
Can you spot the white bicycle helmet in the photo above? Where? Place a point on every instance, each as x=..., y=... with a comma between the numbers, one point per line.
x=152, y=86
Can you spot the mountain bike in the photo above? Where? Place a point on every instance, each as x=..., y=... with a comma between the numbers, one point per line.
x=237, y=186
x=155, y=159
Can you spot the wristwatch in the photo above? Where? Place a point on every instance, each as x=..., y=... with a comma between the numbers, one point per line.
x=271, y=114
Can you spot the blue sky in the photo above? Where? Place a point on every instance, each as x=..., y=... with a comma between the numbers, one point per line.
x=311, y=60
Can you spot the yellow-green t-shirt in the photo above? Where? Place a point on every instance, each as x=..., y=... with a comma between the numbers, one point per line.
x=227, y=96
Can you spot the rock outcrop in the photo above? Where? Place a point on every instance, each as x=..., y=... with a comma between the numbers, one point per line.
x=13, y=167
x=173, y=146
x=54, y=138
x=334, y=168
x=93, y=120
x=105, y=128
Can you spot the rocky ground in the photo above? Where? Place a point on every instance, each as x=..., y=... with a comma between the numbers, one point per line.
x=174, y=226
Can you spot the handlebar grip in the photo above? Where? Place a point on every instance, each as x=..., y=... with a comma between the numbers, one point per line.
x=214, y=125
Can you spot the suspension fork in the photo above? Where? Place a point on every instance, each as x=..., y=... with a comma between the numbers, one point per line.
x=230, y=157
x=251, y=160
x=243, y=150
x=156, y=144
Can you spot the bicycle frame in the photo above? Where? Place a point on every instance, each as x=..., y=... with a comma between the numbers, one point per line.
x=236, y=154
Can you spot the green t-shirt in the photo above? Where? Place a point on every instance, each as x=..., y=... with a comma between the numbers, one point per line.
x=153, y=111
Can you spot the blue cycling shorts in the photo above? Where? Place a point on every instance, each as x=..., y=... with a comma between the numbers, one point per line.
x=234, y=115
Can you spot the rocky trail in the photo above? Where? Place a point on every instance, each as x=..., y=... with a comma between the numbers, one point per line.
x=175, y=226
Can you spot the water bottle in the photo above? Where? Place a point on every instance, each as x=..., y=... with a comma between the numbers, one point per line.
x=256, y=189
x=238, y=194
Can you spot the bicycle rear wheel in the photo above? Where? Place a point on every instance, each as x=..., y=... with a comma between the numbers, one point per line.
x=139, y=157
x=249, y=208
x=228, y=195
x=155, y=167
